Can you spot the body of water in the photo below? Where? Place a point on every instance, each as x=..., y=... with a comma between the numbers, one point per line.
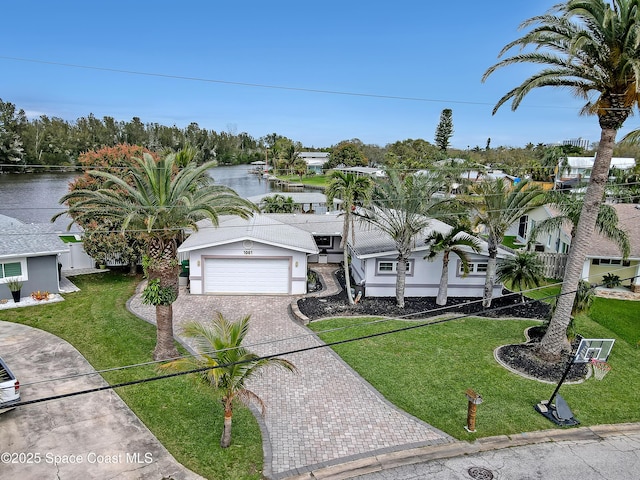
x=33, y=197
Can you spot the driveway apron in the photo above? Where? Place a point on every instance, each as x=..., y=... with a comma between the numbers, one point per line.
x=91, y=436
x=322, y=415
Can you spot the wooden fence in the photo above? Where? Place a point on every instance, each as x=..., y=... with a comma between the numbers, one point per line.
x=554, y=264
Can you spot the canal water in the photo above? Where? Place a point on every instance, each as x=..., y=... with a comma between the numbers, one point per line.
x=33, y=197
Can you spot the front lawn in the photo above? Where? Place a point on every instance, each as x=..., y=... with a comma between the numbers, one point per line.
x=183, y=414
x=426, y=371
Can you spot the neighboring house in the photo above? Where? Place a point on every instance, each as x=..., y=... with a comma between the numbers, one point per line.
x=315, y=160
x=362, y=171
x=604, y=256
x=556, y=242
x=579, y=168
x=374, y=266
x=259, y=255
x=29, y=252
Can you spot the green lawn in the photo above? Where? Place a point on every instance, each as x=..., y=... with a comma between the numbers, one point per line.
x=183, y=414
x=315, y=180
x=426, y=371
x=547, y=292
x=620, y=316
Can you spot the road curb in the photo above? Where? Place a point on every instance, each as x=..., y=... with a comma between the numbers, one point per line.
x=388, y=461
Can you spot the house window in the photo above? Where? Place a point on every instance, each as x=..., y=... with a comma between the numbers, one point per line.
x=549, y=241
x=323, y=241
x=390, y=267
x=14, y=269
x=522, y=228
x=476, y=268
x=606, y=261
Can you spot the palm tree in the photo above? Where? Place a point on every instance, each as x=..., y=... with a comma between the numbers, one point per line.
x=159, y=202
x=353, y=190
x=522, y=271
x=498, y=205
x=228, y=365
x=453, y=242
x=402, y=208
x=554, y=162
x=590, y=46
x=278, y=204
x=570, y=209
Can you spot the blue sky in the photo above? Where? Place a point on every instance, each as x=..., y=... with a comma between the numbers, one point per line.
x=433, y=51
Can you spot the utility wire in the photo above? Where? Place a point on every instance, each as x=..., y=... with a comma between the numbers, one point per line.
x=263, y=85
x=444, y=309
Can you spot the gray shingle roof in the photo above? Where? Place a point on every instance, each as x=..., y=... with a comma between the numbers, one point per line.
x=18, y=239
x=629, y=221
x=260, y=228
x=329, y=224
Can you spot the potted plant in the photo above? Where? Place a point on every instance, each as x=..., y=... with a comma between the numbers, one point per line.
x=15, y=286
x=610, y=280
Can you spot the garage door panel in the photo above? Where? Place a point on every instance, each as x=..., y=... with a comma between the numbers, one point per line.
x=247, y=275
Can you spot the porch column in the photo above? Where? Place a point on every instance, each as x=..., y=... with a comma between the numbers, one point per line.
x=635, y=284
x=586, y=268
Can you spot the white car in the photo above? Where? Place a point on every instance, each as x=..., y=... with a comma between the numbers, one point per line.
x=9, y=388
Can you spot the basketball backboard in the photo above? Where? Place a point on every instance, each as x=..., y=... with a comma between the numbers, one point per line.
x=594, y=348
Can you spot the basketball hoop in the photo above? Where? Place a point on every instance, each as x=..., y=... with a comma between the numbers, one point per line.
x=600, y=368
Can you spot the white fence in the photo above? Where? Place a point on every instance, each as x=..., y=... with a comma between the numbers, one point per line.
x=76, y=258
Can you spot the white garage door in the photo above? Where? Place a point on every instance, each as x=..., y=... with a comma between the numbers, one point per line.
x=246, y=275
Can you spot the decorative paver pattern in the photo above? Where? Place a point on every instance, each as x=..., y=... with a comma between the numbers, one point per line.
x=325, y=413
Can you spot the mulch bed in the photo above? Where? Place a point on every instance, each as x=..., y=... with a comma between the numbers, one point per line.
x=519, y=357
x=522, y=358
x=509, y=305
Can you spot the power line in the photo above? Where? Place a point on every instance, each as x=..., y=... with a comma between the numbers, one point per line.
x=263, y=85
x=264, y=357
x=443, y=309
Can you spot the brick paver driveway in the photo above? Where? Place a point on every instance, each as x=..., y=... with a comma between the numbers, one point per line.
x=323, y=415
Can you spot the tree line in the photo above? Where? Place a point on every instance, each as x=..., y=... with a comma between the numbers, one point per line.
x=53, y=143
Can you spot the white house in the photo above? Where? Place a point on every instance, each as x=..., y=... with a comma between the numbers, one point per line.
x=554, y=242
x=259, y=255
x=580, y=167
x=315, y=160
x=269, y=254
x=374, y=266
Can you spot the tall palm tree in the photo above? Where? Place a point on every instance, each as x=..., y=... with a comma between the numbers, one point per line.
x=353, y=190
x=498, y=205
x=457, y=241
x=402, y=208
x=590, y=46
x=570, y=208
x=159, y=202
x=522, y=270
x=228, y=364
